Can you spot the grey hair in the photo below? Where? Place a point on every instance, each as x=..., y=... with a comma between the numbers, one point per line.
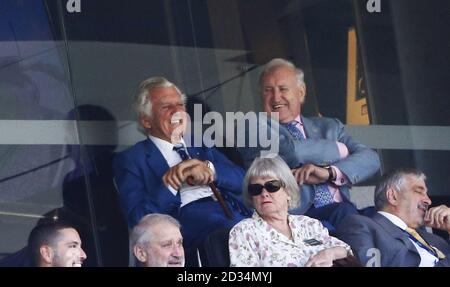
x=278, y=63
x=394, y=179
x=142, y=232
x=142, y=102
x=273, y=166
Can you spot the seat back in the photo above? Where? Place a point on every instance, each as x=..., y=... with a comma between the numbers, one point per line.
x=21, y=258
x=214, y=252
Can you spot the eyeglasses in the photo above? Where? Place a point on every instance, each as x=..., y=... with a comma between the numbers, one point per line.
x=271, y=186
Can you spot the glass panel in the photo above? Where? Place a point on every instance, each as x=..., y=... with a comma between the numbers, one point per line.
x=34, y=102
x=68, y=77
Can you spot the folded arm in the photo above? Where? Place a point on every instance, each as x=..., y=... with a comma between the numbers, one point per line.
x=361, y=163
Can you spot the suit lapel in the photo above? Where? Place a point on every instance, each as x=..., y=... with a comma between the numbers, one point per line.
x=394, y=231
x=194, y=152
x=155, y=160
x=312, y=131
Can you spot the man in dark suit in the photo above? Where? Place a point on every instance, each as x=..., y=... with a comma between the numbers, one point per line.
x=325, y=159
x=395, y=235
x=163, y=175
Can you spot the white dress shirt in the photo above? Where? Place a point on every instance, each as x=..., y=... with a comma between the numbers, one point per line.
x=188, y=193
x=426, y=258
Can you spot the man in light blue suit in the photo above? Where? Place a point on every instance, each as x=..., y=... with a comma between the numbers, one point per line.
x=394, y=236
x=163, y=175
x=324, y=158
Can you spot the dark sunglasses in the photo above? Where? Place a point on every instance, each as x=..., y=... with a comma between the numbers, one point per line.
x=271, y=186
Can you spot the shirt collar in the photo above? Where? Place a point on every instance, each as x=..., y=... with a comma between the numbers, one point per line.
x=394, y=219
x=298, y=119
x=274, y=233
x=164, y=146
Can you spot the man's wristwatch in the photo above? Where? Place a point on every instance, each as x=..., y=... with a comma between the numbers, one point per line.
x=208, y=164
x=331, y=175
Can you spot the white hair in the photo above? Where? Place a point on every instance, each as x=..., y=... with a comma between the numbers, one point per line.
x=272, y=167
x=142, y=232
x=278, y=63
x=142, y=102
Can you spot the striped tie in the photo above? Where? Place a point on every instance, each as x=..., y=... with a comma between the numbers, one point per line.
x=419, y=238
x=181, y=150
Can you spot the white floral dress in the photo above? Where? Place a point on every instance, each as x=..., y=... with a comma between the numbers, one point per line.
x=254, y=243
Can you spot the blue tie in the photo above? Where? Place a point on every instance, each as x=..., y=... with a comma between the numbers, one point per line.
x=181, y=150
x=293, y=130
x=323, y=195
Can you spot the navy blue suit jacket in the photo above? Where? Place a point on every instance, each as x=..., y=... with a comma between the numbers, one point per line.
x=375, y=237
x=138, y=173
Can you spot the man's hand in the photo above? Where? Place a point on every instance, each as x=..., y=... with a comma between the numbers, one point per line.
x=191, y=171
x=310, y=174
x=438, y=217
x=175, y=175
x=325, y=258
x=200, y=174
